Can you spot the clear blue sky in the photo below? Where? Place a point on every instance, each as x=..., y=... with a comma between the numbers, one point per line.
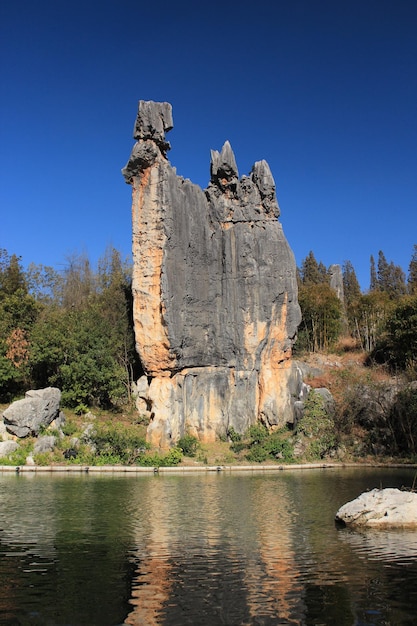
x=325, y=91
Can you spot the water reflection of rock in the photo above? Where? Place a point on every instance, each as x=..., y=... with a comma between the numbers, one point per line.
x=272, y=579
x=230, y=561
x=390, y=545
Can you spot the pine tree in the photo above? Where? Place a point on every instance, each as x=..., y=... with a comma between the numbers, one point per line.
x=351, y=288
x=310, y=270
x=412, y=273
x=373, y=286
x=382, y=271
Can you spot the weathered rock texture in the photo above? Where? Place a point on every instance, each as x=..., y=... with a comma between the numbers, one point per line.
x=215, y=292
x=37, y=410
x=381, y=508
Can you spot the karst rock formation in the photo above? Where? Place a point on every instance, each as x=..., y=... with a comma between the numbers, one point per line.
x=215, y=292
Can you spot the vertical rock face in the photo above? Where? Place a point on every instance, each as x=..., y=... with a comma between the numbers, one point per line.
x=215, y=292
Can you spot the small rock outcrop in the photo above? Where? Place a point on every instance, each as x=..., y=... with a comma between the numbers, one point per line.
x=36, y=411
x=380, y=508
x=215, y=292
x=8, y=447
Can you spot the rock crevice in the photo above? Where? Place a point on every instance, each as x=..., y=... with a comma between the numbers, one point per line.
x=215, y=291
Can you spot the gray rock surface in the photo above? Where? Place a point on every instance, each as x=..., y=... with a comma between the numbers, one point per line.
x=7, y=447
x=380, y=508
x=37, y=410
x=44, y=444
x=336, y=281
x=215, y=292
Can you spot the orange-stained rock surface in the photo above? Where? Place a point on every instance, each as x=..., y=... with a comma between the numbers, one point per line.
x=215, y=292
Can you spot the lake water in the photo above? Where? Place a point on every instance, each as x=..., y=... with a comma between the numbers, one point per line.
x=202, y=549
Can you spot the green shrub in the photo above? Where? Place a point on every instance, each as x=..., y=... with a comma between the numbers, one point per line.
x=233, y=436
x=19, y=456
x=257, y=453
x=257, y=433
x=275, y=446
x=69, y=428
x=155, y=459
x=403, y=420
x=318, y=426
x=188, y=444
x=123, y=445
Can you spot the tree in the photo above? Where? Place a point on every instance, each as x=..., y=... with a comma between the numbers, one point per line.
x=373, y=286
x=322, y=316
x=18, y=312
x=310, y=271
x=390, y=277
x=397, y=344
x=73, y=350
x=83, y=342
x=351, y=287
x=78, y=282
x=44, y=283
x=412, y=273
x=382, y=271
x=12, y=277
x=369, y=316
x=352, y=294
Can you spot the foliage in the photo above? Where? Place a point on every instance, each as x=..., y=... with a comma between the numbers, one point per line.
x=233, y=435
x=403, y=420
x=117, y=444
x=155, y=459
x=19, y=456
x=261, y=444
x=18, y=312
x=367, y=318
x=381, y=416
x=188, y=444
x=397, y=344
x=322, y=317
x=390, y=278
x=73, y=351
x=312, y=272
x=69, y=428
x=318, y=426
x=412, y=273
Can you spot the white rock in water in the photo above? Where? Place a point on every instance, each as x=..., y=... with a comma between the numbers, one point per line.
x=381, y=508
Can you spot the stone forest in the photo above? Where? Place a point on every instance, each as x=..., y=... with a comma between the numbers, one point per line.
x=215, y=291
x=211, y=346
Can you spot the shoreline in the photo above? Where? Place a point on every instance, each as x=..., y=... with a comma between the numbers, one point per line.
x=186, y=469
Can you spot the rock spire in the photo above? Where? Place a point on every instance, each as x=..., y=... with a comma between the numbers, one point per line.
x=215, y=292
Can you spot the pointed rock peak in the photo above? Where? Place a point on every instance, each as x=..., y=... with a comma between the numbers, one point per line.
x=263, y=179
x=153, y=120
x=223, y=164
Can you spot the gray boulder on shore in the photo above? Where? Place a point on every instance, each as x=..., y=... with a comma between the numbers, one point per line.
x=35, y=411
x=380, y=508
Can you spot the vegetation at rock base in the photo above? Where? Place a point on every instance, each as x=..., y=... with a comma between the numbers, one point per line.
x=73, y=329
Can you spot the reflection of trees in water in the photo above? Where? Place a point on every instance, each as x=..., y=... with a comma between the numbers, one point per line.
x=63, y=551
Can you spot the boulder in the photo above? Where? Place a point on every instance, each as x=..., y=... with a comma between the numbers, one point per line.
x=36, y=411
x=44, y=444
x=380, y=508
x=7, y=447
x=215, y=292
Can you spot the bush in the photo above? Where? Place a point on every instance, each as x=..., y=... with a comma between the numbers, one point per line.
x=188, y=444
x=172, y=457
x=19, y=456
x=403, y=420
x=262, y=444
x=117, y=444
x=233, y=436
x=318, y=426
